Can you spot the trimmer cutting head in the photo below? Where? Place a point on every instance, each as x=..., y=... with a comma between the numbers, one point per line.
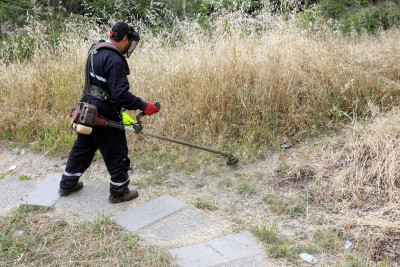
x=231, y=161
x=137, y=128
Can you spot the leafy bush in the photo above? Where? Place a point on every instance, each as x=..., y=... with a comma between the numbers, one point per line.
x=11, y=11
x=358, y=16
x=337, y=8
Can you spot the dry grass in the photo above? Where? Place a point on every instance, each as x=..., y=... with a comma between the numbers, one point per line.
x=361, y=166
x=235, y=85
x=371, y=161
x=40, y=238
x=356, y=177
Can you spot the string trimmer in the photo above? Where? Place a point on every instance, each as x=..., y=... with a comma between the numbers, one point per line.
x=85, y=116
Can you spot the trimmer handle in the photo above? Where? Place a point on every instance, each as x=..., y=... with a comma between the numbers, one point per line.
x=157, y=104
x=141, y=114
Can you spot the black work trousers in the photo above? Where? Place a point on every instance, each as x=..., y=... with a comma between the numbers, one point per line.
x=113, y=147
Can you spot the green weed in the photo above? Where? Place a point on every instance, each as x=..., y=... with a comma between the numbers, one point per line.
x=358, y=260
x=295, y=208
x=24, y=177
x=279, y=250
x=277, y=203
x=204, y=204
x=246, y=187
x=226, y=182
x=200, y=184
x=268, y=232
x=131, y=240
x=282, y=168
x=60, y=224
x=276, y=246
x=140, y=182
x=329, y=239
x=309, y=248
x=270, y=198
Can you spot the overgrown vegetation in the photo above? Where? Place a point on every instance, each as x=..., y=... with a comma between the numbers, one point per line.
x=357, y=174
x=36, y=237
x=345, y=15
x=244, y=90
x=241, y=76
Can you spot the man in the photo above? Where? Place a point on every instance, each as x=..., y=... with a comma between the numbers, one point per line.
x=107, y=87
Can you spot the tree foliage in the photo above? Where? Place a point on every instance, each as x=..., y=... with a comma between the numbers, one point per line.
x=351, y=15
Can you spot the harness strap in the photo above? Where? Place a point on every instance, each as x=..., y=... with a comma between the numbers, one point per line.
x=97, y=92
x=87, y=71
x=89, y=89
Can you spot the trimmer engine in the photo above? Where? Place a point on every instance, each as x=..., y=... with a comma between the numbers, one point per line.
x=85, y=116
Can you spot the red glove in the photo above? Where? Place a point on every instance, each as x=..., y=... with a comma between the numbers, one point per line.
x=150, y=109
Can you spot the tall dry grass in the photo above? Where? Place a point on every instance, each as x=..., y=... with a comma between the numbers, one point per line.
x=369, y=162
x=360, y=165
x=356, y=178
x=237, y=84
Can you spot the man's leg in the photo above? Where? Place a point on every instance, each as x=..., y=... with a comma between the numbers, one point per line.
x=114, y=149
x=79, y=160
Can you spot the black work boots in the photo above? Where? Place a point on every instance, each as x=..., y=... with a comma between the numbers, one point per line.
x=66, y=192
x=129, y=195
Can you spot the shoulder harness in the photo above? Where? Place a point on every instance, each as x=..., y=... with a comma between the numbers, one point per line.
x=94, y=90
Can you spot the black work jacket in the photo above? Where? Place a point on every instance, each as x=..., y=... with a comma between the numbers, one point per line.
x=110, y=73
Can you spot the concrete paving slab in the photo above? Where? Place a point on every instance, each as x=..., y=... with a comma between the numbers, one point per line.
x=197, y=256
x=91, y=201
x=12, y=192
x=235, y=250
x=45, y=194
x=236, y=246
x=187, y=226
x=148, y=213
x=252, y=261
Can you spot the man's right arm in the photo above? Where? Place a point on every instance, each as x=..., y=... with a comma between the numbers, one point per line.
x=119, y=87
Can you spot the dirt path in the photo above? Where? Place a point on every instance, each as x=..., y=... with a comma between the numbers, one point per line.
x=16, y=162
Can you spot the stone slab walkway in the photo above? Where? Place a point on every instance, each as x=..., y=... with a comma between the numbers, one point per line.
x=232, y=250
x=45, y=194
x=91, y=201
x=12, y=192
x=87, y=203
x=148, y=213
x=185, y=227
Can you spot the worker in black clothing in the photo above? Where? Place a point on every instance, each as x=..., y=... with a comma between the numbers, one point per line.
x=107, y=87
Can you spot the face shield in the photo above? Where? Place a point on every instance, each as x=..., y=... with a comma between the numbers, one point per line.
x=134, y=43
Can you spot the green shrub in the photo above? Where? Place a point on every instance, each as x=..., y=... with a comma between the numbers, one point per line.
x=359, y=16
